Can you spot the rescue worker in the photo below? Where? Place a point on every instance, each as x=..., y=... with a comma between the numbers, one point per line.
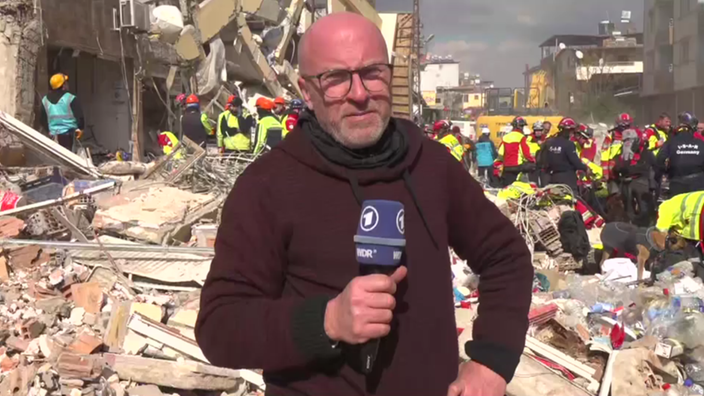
x=168, y=142
x=547, y=128
x=535, y=141
x=485, y=155
x=514, y=153
x=635, y=176
x=587, y=150
x=444, y=135
x=658, y=133
x=700, y=131
x=229, y=135
x=611, y=147
x=62, y=114
x=290, y=118
x=279, y=107
x=682, y=158
x=269, y=128
x=559, y=156
x=682, y=216
x=194, y=124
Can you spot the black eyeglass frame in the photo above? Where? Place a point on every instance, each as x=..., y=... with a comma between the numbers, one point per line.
x=351, y=74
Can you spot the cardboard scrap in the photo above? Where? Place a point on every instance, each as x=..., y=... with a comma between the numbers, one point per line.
x=88, y=296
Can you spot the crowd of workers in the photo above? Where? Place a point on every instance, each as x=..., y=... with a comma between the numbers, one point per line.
x=649, y=176
x=236, y=129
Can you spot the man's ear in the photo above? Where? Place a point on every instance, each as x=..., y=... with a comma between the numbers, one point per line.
x=305, y=89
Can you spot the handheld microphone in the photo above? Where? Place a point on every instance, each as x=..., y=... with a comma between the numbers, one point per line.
x=380, y=243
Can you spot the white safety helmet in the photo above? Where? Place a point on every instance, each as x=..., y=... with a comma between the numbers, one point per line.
x=485, y=131
x=539, y=126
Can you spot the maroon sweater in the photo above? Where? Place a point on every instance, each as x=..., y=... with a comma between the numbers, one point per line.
x=285, y=247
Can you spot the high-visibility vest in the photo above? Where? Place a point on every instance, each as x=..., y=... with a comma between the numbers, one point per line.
x=452, y=144
x=533, y=145
x=206, y=124
x=609, y=156
x=267, y=125
x=656, y=140
x=238, y=141
x=59, y=115
x=172, y=142
x=597, y=170
x=684, y=214
x=511, y=150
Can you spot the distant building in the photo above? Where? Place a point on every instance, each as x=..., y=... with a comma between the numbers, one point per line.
x=674, y=57
x=586, y=74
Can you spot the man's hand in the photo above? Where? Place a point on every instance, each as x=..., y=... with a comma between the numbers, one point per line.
x=477, y=380
x=363, y=311
x=79, y=134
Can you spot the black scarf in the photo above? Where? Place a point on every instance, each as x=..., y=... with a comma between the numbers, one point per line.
x=390, y=150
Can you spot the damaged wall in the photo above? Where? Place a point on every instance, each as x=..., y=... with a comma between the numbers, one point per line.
x=20, y=39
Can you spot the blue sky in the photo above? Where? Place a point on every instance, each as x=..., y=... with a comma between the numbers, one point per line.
x=497, y=38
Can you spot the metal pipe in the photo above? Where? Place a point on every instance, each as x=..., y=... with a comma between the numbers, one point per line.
x=57, y=201
x=115, y=247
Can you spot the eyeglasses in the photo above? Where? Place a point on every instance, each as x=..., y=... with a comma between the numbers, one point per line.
x=337, y=84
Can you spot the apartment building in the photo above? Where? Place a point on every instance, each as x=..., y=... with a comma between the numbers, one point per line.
x=674, y=57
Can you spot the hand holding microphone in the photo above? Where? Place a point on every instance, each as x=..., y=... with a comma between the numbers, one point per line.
x=363, y=312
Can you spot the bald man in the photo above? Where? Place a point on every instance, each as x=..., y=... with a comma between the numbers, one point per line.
x=285, y=293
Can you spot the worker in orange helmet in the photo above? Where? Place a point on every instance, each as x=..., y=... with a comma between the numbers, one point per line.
x=279, y=107
x=269, y=128
x=62, y=114
x=194, y=124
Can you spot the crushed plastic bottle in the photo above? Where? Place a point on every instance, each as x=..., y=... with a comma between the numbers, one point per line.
x=675, y=390
x=688, y=329
x=688, y=303
x=694, y=388
x=695, y=371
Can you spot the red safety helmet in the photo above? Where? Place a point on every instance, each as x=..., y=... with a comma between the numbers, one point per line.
x=231, y=99
x=519, y=123
x=191, y=99
x=624, y=120
x=441, y=125
x=567, y=124
x=585, y=131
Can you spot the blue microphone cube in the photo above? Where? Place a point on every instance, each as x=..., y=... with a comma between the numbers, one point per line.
x=380, y=235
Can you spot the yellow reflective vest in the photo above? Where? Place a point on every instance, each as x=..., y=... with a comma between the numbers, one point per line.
x=683, y=213
x=266, y=124
x=656, y=141
x=456, y=149
x=236, y=142
x=173, y=142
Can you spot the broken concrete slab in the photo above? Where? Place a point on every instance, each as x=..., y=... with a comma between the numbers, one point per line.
x=166, y=336
x=28, y=257
x=145, y=390
x=188, y=46
x=151, y=311
x=211, y=16
x=186, y=375
x=83, y=367
x=148, y=215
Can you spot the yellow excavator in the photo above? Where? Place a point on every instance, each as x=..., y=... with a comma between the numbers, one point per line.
x=503, y=105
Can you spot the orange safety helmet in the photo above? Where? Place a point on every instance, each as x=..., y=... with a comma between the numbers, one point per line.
x=231, y=99
x=279, y=101
x=264, y=103
x=192, y=99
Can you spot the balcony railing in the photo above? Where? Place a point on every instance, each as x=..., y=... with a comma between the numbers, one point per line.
x=585, y=73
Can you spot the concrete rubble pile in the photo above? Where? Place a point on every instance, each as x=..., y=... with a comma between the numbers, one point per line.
x=617, y=332
x=101, y=271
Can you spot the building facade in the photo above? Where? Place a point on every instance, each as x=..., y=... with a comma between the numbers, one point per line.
x=674, y=57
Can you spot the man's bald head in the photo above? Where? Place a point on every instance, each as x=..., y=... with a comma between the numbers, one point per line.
x=336, y=45
x=332, y=31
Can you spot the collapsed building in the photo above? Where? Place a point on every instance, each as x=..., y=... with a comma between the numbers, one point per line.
x=127, y=60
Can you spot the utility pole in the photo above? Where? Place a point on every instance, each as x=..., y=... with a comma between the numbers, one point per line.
x=416, y=95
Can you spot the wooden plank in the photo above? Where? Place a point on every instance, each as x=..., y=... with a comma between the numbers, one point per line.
x=117, y=327
x=402, y=72
x=399, y=101
x=186, y=375
x=400, y=91
x=140, y=324
x=560, y=358
x=404, y=42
